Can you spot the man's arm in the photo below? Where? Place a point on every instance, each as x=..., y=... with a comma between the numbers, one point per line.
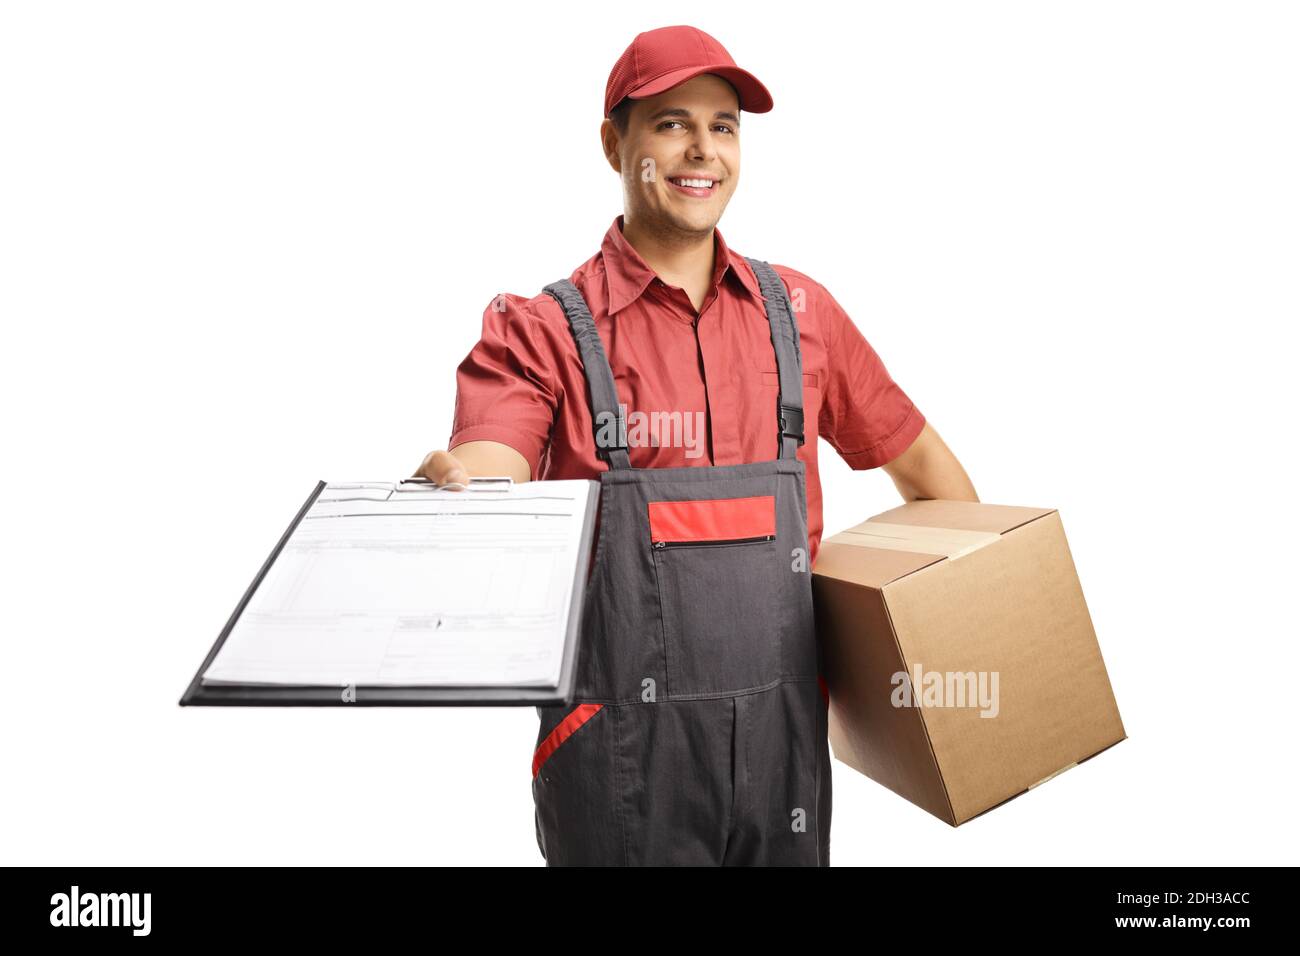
x=474, y=458
x=928, y=469
x=507, y=394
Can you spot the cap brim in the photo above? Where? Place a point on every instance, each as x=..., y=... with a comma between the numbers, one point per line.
x=754, y=97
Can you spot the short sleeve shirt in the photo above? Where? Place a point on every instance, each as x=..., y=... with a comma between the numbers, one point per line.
x=698, y=388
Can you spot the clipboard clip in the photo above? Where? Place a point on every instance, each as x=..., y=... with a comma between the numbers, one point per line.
x=484, y=483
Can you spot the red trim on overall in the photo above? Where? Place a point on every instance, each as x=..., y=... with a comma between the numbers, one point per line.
x=826, y=691
x=719, y=519
x=563, y=730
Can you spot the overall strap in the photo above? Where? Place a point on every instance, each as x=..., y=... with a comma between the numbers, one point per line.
x=606, y=412
x=785, y=341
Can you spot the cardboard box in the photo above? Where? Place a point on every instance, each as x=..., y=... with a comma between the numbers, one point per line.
x=980, y=606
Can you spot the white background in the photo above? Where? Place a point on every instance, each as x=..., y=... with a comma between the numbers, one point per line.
x=243, y=247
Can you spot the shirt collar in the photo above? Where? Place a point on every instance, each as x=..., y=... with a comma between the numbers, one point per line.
x=627, y=274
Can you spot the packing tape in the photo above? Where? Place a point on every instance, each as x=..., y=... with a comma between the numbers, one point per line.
x=1051, y=775
x=950, y=542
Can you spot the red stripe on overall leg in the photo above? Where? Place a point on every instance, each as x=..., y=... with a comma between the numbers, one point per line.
x=571, y=722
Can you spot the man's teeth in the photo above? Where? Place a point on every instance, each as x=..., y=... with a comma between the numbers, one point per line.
x=697, y=183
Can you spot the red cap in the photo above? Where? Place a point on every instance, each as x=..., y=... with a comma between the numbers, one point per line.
x=660, y=59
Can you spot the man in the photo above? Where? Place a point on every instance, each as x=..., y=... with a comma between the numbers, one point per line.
x=697, y=731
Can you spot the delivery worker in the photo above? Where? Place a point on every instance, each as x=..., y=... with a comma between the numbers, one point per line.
x=693, y=383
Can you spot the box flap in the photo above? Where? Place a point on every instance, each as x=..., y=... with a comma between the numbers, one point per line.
x=961, y=515
x=895, y=543
x=869, y=567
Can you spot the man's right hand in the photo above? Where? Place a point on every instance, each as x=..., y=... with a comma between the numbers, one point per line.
x=444, y=469
x=453, y=469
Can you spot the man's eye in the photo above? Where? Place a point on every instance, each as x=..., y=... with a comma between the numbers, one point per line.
x=721, y=126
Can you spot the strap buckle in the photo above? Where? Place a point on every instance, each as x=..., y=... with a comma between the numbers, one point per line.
x=791, y=421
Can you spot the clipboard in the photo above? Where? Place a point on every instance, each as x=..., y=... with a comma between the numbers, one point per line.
x=390, y=695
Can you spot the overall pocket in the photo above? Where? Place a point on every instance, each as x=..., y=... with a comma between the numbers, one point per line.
x=719, y=575
x=576, y=809
x=555, y=737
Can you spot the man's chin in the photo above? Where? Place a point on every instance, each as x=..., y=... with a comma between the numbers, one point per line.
x=700, y=223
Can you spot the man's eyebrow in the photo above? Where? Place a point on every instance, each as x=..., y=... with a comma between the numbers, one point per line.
x=678, y=111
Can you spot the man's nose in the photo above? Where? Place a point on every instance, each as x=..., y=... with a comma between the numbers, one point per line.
x=702, y=148
x=703, y=145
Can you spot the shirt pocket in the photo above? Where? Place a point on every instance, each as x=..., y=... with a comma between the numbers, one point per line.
x=810, y=379
x=765, y=365
x=812, y=400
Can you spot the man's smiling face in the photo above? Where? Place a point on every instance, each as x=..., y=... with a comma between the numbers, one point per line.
x=690, y=132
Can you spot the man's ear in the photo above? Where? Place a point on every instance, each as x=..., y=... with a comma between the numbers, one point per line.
x=609, y=142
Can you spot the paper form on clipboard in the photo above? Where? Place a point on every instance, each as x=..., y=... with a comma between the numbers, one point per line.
x=405, y=584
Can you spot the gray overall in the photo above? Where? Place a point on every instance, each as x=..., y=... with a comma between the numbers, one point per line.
x=697, y=730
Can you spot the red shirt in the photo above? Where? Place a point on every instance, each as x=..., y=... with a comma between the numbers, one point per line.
x=522, y=384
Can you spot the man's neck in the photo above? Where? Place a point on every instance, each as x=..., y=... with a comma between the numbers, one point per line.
x=678, y=260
